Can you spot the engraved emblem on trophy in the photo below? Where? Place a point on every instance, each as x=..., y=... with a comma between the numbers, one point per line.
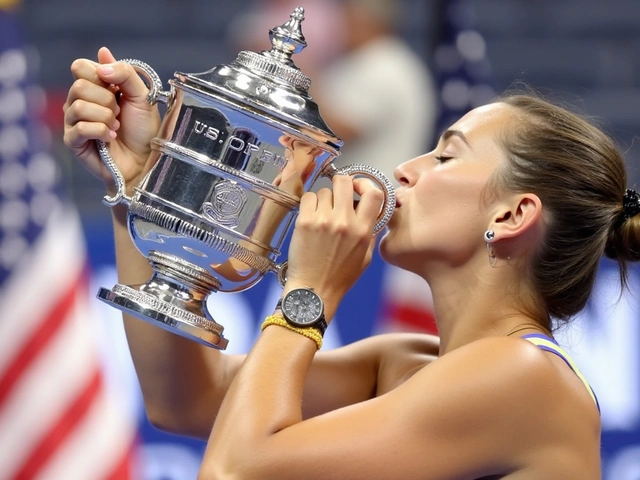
x=238, y=146
x=225, y=205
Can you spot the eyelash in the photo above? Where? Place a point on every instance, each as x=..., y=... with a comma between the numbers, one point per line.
x=442, y=159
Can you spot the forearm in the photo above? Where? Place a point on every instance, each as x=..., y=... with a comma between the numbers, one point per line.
x=264, y=398
x=175, y=374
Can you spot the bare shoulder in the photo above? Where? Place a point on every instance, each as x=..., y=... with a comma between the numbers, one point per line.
x=519, y=399
x=509, y=366
x=497, y=364
x=517, y=363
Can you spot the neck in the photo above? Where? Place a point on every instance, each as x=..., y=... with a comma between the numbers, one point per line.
x=477, y=301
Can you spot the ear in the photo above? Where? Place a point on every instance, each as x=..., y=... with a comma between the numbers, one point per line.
x=517, y=216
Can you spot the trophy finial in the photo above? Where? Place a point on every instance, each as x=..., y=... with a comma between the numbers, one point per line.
x=277, y=64
x=288, y=39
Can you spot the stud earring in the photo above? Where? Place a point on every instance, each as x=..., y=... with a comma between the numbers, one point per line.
x=489, y=235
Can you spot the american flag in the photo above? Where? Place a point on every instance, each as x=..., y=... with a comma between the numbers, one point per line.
x=463, y=79
x=58, y=418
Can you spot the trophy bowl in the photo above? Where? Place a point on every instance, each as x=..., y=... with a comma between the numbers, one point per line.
x=237, y=147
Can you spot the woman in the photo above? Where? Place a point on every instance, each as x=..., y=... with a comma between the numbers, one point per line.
x=507, y=220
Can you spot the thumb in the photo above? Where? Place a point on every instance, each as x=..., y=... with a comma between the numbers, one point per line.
x=124, y=76
x=105, y=56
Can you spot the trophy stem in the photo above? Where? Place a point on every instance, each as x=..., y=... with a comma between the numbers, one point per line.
x=174, y=298
x=187, y=273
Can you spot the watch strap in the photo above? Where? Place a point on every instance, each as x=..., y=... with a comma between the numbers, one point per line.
x=320, y=325
x=309, y=332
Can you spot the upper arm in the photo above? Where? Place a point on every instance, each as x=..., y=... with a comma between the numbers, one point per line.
x=460, y=417
x=337, y=378
x=364, y=370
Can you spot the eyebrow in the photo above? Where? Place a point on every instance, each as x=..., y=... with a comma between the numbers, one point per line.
x=455, y=133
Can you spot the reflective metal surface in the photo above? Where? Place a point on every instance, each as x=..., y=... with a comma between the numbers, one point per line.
x=237, y=148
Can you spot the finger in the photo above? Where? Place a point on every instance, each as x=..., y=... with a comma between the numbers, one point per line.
x=343, y=192
x=370, y=205
x=361, y=185
x=77, y=136
x=87, y=70
x=81, y=110
x=83, y=89
x=308, y=203
x=325, y=200
x=124, y=76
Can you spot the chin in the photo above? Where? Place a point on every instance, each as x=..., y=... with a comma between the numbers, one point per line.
x=394, y=253
x=385, y=248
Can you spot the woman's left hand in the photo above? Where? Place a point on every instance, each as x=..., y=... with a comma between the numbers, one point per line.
x=333, y=242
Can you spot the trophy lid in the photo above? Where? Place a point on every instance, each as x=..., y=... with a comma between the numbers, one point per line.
x=269, y=81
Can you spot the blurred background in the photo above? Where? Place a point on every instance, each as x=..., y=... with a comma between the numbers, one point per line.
x=389, y=76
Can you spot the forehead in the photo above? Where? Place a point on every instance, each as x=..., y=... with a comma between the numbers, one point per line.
x=484, y=123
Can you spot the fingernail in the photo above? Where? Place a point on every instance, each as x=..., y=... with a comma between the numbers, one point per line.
x=116, y=125
x=106, y=69
x=112, y=134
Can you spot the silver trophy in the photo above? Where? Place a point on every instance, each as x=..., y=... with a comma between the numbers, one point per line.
x=237, y=148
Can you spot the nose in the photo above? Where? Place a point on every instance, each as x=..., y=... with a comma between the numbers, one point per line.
x=407, y=173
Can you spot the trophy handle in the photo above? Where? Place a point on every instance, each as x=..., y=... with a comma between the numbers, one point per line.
x=280, y=269
x=155, y=94
x=378, y=177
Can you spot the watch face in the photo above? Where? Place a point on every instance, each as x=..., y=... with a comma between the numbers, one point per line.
x=302, y=306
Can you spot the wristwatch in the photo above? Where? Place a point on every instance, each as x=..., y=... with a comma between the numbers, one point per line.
x=303, y=308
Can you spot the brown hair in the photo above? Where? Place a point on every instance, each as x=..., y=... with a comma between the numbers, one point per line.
x=579, y=175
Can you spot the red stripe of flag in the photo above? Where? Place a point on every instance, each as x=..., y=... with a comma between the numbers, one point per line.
x=411, y=316
x=42, y=335
x=122, y=471
x=59, y=432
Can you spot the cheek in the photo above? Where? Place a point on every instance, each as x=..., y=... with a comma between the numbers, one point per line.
x=446, y=214
x=455, y=198
x=442, y=191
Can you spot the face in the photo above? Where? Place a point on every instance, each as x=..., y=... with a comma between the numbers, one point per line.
x=443, y=210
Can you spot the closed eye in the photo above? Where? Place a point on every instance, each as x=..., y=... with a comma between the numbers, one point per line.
x=442, y=159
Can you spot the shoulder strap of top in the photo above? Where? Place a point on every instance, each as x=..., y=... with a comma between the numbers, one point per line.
x=550, y=345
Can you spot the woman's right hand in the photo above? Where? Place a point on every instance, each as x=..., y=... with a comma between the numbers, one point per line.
x=91, y=113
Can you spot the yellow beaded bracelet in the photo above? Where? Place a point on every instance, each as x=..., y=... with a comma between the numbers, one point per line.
x=308, y=332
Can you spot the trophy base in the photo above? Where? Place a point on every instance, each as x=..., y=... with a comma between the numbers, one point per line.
x=148, y=306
